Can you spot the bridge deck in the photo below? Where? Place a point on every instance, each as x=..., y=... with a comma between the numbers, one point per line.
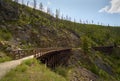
x=18, y=54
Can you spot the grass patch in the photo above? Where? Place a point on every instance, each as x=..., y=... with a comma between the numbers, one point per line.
x=4, y=57
x=32, y=70
x=61, y=71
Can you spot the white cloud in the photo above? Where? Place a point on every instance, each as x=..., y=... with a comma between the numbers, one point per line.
x=114, y=7
x=105, y=9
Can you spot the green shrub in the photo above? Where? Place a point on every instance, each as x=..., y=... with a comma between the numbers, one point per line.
x=61, y=71
x=5, y=34
x=21, y=68
x=94, y=69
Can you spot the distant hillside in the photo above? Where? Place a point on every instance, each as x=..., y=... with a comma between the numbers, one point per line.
x=22, y=27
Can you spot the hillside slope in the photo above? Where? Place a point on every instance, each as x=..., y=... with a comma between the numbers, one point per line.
x=27, y=27
x=34, y=29
x=22, y=27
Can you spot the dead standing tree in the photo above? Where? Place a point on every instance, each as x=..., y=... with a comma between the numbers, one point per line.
x=48, y=10
x=41, y=6
x=35, y=4
x=16, y=1
x=1, y=2
x=28, y=3
x=22, y=2
x=57, y=13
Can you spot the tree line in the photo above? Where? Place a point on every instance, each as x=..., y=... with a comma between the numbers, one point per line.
x=57, y=13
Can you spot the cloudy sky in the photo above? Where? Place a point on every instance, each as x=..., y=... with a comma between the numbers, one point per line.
x=102, y=11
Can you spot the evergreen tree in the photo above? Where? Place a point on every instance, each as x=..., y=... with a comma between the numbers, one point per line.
x=85, y=45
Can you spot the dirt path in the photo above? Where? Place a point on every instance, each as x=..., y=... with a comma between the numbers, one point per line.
x=7, y=66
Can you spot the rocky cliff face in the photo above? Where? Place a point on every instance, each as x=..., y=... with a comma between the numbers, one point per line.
x=8, y=11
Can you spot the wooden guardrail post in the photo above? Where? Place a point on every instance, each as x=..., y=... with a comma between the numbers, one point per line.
x=19, y=55
x=12, y=54
x=34, y=52
x=16, y=53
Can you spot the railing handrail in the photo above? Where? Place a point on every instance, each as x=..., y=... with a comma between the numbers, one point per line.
x=17, y=54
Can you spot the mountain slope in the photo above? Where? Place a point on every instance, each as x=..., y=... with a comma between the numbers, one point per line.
x=36, y=30
x=22, y=27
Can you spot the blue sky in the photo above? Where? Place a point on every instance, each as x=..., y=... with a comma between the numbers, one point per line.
x=102, y=11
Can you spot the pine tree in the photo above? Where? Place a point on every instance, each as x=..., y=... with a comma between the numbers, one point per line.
x=85, y=45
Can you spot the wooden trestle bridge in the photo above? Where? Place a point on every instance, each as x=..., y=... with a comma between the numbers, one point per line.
x=52, y=57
